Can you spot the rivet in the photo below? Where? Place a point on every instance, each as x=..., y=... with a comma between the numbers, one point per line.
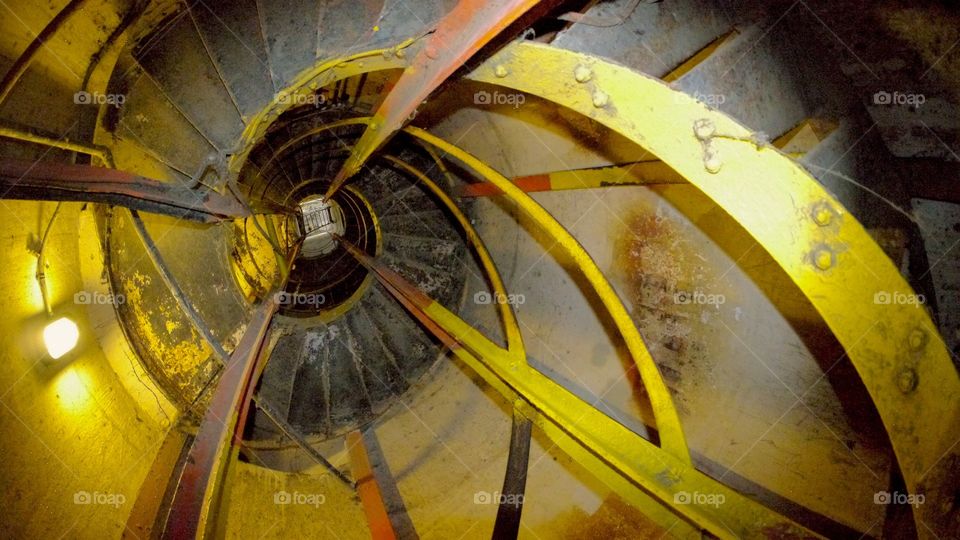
x=314, y=85
x=711, y=159
x=500, y=71
x=822, y=214
x=823, y=258
x=918, y=338
x=907, y=380
x=401, y=53
x=582, y=74
x=704, y=128
x=600, y=99
x=432, y=52
x=387, y=53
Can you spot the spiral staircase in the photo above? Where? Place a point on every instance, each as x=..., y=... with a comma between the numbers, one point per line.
x=459, y=269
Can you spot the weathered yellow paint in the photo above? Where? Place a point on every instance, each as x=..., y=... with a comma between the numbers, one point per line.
x=897, y=351
x=629, y=461
x=314, y=78
x=512, y=328
x=668, y=422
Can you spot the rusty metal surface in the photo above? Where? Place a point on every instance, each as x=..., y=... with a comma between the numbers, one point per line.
x=61, y=182
x=211, y=448
x=470, y=26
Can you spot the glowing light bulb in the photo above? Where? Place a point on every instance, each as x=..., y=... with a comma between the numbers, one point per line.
x=60, y=337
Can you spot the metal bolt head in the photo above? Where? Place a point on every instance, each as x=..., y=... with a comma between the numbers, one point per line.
x=500, y=71
x=704, y=128
x=907, y=380
x=600, y=99
x=823, y=258
x=582, y=74
x=918, y=338
x=713, y=163
x=432, y=52
x=822, y=215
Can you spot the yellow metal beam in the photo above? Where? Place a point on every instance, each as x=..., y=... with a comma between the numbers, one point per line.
x=511, y=327
x=470, y=25
x=896, y=349
x=633, y=466
x=668, y=422
x=640, y=173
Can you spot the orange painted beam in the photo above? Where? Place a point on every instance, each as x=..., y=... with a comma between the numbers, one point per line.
x=469, y=26
x=370, y=496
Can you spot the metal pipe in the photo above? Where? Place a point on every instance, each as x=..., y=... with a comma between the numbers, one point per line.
x=99, y=152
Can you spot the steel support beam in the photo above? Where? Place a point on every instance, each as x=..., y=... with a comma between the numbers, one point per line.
x=458, y=36
x=897, y=350
x=197, y=491
x=26, y=180
x=510, y=506
x=640, y=472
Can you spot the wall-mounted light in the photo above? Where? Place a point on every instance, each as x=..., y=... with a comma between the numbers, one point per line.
x=60, y=337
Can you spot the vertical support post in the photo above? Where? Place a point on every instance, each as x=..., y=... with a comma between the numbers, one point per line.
x=515, y=480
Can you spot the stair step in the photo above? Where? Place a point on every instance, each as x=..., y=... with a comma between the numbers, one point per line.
x=659, y=36
x=432, y=222
x=436, y=282
x=177, y=59
x=369, y=331
x=151, y=119
x=311, y=402
x=380, y=373
x=409, y=342
x=328, y=392
x=276, y=385
x=233, y=36
x=422, y=248
x=290, y=27
x=747, y=78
